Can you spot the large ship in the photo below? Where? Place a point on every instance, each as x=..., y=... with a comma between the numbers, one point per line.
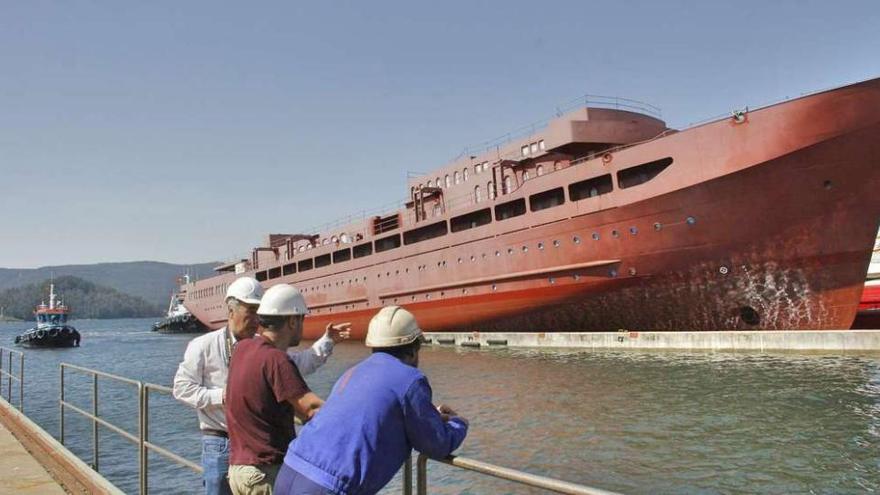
x=605, y=219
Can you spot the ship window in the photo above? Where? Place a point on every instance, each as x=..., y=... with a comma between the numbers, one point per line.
x=363, y=250
x=507, y=185
x=424, y=233
x=540, y=170
x=289, y=268
x=464, y=174
x=448, y=183
x=322, y=260
x=510, y=209
x=471, y=220
x=477, y=168
x=261, y=276
x=387, y=243
x=541, y=145
x=534, y=147
x=457, y=177
x=304, y=265
x=478, y=196
x=547, y=199
x=633, y=176
x=275, y=272
x=490, y=191
x=341, y=255
x=590, y=187
x=524, y=150
x=525, y=175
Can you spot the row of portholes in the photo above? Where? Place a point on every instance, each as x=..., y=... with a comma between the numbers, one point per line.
x=540, y=245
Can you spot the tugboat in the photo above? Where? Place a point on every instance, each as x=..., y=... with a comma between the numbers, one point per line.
x=179, y=319
x=52, y=329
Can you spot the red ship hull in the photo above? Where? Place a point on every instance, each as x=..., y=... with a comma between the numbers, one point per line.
x=763, y=223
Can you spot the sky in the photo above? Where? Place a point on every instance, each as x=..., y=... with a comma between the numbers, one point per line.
x=187, y=131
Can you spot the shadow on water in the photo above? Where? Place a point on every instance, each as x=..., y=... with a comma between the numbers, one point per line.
x=629, y=421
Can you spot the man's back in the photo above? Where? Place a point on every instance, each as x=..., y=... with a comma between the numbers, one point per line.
x=377, y=412
x=261, y=380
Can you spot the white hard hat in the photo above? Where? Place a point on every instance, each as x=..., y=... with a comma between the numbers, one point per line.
x=392, y=326
x=283, y=300
x=246, y=290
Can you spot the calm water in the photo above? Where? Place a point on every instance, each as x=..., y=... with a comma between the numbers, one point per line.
x=634, y=422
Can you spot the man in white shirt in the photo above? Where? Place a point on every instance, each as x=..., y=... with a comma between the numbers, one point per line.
x=200, y=380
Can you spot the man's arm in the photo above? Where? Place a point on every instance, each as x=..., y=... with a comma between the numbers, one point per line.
x=306, y=406
x=426, y=429
x=308, y=361
x=189, y=379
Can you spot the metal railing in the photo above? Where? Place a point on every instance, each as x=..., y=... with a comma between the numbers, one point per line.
x=521, y=477
x=8, y=374
x=141, y=439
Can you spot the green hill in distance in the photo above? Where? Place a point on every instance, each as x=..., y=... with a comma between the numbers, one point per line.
x=85, y=299
x=150, y=280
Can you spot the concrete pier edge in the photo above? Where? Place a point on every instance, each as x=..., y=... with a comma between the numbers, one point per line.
x=733, y=340
x=74, y=475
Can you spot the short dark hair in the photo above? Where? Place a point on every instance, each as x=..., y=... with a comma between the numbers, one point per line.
x=273, y=322
x=401, y=351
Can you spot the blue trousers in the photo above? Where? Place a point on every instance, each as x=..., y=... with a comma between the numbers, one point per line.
x=215, y=462
x=291, y=482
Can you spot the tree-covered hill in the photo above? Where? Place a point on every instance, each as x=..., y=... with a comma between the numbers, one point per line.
x=85, y=299
x=151, y=280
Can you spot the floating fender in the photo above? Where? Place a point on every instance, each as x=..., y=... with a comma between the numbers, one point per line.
x=41, y=334
x=53, y=332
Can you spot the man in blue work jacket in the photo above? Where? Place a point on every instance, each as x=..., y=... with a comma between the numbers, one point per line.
x=377, y=412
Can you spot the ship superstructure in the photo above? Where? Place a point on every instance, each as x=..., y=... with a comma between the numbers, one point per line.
x=605, y=219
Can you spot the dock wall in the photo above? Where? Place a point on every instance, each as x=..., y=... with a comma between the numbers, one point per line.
x=67, y=469
x=787, y=340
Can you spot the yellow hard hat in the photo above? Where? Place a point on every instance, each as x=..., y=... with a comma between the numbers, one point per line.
x=392, y=326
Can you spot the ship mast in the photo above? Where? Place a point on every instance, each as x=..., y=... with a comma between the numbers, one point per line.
x=51, y=296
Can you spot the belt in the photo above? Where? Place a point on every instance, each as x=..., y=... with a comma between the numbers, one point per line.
x=215, y=433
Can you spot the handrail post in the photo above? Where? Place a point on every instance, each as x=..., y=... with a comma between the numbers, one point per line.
x=407, y=476
x=422, y=475
x=21, y=382
x=61, y=404
x=142, y=450
x=9, y=379
x=95, y=422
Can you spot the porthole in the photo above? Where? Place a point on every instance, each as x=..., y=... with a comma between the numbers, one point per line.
x=595, y=236
x=613, y=272
x=691, y=220
x=749, y=316
x=658, y=226
x=633, y=230
x=576, y=277
x=615, y=233
x=552, y=280
x=473, y=258
x=397, y=272
x=387, y=274
x=427, y=296
x=494, y=287
x=438, y=264
x=525, y=249
x=632, y=271
x=442, y=293
x=464, y=291
x=509, y=250
x=444, y=262
x=556, y=243
x=484, y=255
x=541, y=245
x=459, y=261
x=412, y=298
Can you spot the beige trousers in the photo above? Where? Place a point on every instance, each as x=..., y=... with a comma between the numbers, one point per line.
x=253, y=480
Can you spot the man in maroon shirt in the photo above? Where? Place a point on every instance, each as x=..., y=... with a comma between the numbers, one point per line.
x=264, y=392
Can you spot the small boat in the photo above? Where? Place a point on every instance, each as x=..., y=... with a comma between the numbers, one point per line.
x=52, y=329
x=868, y=315
x=178, y=319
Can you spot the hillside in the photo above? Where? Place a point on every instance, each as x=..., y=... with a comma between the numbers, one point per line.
x=86, y=300
x=150, y=280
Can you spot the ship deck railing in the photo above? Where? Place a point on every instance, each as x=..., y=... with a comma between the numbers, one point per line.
x=142, y=440
x=7, y=356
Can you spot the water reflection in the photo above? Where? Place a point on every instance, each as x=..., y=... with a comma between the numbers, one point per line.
x=634, y=422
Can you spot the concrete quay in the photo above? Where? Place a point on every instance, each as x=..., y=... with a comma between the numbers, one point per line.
x=739, y=340
x=32, y=461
